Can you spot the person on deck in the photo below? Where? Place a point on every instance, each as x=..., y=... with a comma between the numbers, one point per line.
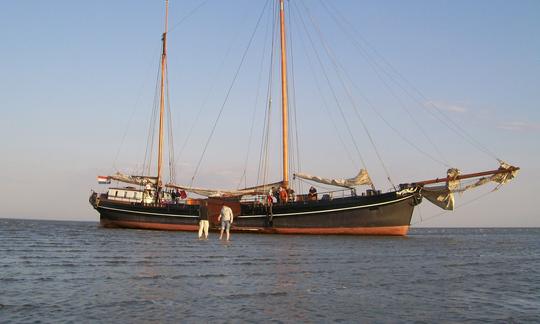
x=226, y=217
x=269, y=204
x=275, y=192
x=312, y=195
x=182, y=194
x=290, y=193
x=283, y=197
x=269, y=199
x=203, y=220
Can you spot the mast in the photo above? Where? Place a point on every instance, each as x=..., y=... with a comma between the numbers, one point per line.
x=162, y=97
x=284, y=102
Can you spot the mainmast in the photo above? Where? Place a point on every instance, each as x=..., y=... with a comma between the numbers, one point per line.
x=284, y=102
x=162, y=97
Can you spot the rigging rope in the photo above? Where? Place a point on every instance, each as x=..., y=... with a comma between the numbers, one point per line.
x=333, y=59
x=375, y=66
x=262, y=171
x=172, y=174
x=189, y=14
x=147, y=162
x=130, y=119
x=227, y=96
x=333, y=92
x=447, y=211
x=259, y=80
x=460, y=131
x=210, y=90
x=152, y=126
x=326, y=106
x=294, y=109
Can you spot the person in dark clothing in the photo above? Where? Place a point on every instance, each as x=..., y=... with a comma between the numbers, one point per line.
x=290, y=194
x=203, y=220
x=275, y=192
x=312, y=195
x=269, y=212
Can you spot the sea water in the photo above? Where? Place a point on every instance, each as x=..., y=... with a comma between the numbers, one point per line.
x=79, y=272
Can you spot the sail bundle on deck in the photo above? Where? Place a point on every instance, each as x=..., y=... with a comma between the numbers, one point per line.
x=361, y=179
x=226, y=193
x=133, y=179
x=443, y=196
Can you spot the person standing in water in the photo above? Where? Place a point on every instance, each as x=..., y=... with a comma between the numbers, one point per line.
x=203, y=220
x=226, y=218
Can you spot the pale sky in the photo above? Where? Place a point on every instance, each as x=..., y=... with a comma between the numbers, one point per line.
x=78, y=78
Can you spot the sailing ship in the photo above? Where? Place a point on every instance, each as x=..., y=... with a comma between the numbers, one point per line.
x=150, y=203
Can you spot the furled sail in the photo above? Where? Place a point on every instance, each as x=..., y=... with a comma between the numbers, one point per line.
x=443, y=196
x=258, y=190
x=361, y=179
x=133, y=179
x=500, y=178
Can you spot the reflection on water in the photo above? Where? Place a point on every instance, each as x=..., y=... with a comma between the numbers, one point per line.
x=70, y=271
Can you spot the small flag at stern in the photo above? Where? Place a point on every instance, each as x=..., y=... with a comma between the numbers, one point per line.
x=103, y=180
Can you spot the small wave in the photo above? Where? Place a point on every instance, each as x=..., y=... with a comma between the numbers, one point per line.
x=115, y=262
x=211, y=275
x=11, y=279
x=182, y=276
x=144, y=277
x=259, y=294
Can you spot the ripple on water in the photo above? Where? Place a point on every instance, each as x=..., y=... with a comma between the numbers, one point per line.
x=79, y=272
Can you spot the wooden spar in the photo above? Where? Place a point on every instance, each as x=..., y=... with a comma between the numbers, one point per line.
x=162, y=98
x=284, y=103
x=467, y=176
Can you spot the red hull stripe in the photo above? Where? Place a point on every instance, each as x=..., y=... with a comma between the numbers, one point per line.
x=380, y=230
x=147, y=225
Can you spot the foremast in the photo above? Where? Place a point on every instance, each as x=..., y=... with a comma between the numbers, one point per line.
x=162, y=99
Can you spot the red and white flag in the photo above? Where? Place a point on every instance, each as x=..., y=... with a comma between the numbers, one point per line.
x=103, y=180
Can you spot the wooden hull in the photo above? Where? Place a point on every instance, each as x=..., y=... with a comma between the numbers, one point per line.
x=386, y=214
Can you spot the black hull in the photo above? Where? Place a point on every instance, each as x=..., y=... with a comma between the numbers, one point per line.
x=386, y=214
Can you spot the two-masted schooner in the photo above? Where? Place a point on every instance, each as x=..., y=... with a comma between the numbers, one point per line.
x=150, y=203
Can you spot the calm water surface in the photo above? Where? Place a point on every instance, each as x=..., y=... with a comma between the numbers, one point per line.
x=75, y=271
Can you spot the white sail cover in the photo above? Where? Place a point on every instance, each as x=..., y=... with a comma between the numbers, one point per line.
x=361, y=179
x=133, y=179
x=262, y=189
x=443, y=196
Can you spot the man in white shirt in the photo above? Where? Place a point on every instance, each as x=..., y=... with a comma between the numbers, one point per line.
x=226, y=217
